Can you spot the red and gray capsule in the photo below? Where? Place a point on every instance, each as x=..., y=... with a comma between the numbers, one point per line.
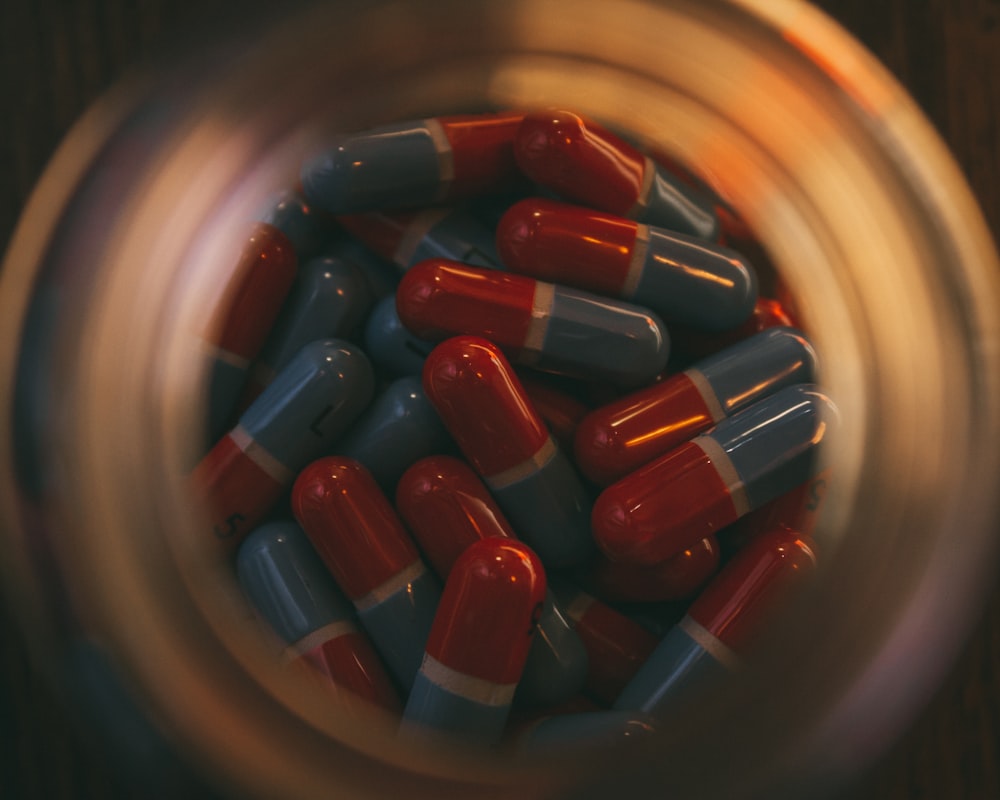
x=684, y=279
x=548, y=327
x=416, y=163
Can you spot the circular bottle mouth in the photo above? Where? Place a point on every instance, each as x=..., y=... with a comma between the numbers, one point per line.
x=123, y=254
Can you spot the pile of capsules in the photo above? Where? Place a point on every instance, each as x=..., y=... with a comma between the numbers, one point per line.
x=504, y=439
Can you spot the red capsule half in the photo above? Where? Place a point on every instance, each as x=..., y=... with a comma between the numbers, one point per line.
x=752, y=584
x=260, y=282
x=488, y=611
x=589, y=165
x=685, y=280
x=553, y=328
x=351, y=524
x=447, y=508
x=485, y=408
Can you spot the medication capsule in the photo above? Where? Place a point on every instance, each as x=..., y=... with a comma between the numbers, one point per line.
x=713, y=480
x=261, y=280
x=478, y=643
x=390, y=344
x=400, y=427
x=310, y=403
x=589, y=165
x=414, y=163
x=484, y=407
x=708, y=641
x=616, y=646
x=618, y=438
x=405, y=238
x=306, y=228
x=568, y=734
x=284, y=579
x=552, y=328
x=683, y=279
x=329, y=299
x=448, y=508
x=374, y=561
x=676, y=578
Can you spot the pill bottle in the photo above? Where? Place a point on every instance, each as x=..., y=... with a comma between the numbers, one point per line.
x=123, y=251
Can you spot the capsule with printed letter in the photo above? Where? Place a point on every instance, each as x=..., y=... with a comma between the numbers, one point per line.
x=448, y=508
x=551, y=328
x=478, y=644
x=363, y=543
x=284, y=579
x=414, y=163
x=391, y=346
x=486, y=410
x=310, y=403
x=683, y=279
x=706, y=644
x=618, y=438
x=713, y=480
x=589, y=165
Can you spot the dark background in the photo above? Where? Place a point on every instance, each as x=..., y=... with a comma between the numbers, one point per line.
x=56, y=57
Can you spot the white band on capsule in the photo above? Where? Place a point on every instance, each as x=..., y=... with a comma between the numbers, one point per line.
x=399, y=582
x=465, y=686
x=259, y=456
x=543, y=455
x=724, y=466
x=720, y=651
x=445, y=157
x=322, y=635
x=708, y=396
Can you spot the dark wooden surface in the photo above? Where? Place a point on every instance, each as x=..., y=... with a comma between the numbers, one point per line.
x=56, y=56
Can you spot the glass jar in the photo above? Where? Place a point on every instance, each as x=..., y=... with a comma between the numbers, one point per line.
x=125, y=248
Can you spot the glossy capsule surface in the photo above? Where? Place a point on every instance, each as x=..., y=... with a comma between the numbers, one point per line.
x=392, y=347
x=486, y=410
x=448, y=508
x=713, y=480
x=306, y=227
x=363, y=543
x=707, y=642
x=549, y=327
x=306, y=408
x=587, y=164
x=479, y=642
x=618, y=438
x=261, y=279
x=683, y=279
x=329, y=299
x=288, y=585
x=400, y=427
x=414, y=163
